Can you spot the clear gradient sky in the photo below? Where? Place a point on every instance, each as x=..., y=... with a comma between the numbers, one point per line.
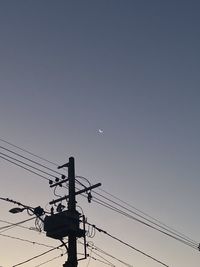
x=130, y=68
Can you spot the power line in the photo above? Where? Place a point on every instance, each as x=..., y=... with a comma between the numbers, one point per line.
x=128, y=245
x=11, y=225
x=35, y=162
x=42, y=176
x=178, y=237
x=26, y=240
x=50, y=260
x=94, y=247
x=107, y=205
x=172, y=233
x=53, y=163
x=15, y=202
x=126, y=214
x=28, y=165
x=37, y=256
x=105, y=261
x=145, y=214
x=28, y=152
x=183, y=239
x=161, y=227
x=171, y=230
x=41, y=244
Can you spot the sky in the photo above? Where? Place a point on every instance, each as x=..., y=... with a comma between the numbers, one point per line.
x=129, y=68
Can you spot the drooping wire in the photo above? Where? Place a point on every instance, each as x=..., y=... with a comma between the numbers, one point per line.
x=83, y=178
x=39, y=224
x=90, y=232
x=54, y=192
x=80, y=183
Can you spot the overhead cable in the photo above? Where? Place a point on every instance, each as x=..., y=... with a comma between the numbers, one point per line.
x=27, y=241
x=27, y=151
x=28, y=165
x=11, y=225
x=128, y=245
x=42, y=176
x=45, y=262
x=170, y=231
x=145, y=214
x=109, y=206
x=37, y=256
x=94, y=247
x=28, y=159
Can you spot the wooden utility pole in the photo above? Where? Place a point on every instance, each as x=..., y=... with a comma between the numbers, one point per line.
x=67, y=222
x=72, y=244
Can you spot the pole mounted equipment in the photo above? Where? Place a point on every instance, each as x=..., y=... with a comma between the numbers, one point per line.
x=66, y=223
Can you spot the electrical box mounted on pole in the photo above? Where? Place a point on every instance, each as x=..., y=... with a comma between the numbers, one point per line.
x=66, y=223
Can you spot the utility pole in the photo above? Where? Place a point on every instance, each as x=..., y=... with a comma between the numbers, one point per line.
x=67, y=222
x=72, y=244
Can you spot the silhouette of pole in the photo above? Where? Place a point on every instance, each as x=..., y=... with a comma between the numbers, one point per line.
x=72, y=244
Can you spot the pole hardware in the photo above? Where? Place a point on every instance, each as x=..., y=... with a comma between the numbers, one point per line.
x=66, y=223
